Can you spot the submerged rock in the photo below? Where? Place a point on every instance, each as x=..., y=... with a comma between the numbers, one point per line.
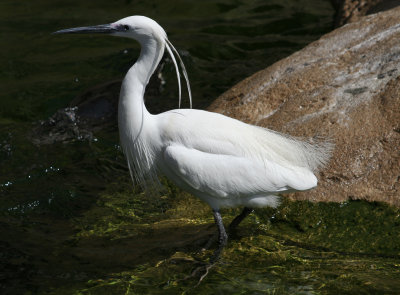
x=344, y=86
x=65, y=125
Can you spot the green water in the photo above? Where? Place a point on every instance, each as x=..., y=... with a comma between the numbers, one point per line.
x=70, y=221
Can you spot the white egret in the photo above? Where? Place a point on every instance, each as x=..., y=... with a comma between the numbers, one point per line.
x=222, y=161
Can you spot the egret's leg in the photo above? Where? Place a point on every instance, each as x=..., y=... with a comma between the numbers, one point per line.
x=222, y=236
x=203, y=271
x=232, y=226
x=238, y=219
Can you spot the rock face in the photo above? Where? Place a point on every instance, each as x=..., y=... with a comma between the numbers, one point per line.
x=345, y=86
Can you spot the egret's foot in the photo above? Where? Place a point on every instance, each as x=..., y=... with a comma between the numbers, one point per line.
x=199, y=273
x=202, y=271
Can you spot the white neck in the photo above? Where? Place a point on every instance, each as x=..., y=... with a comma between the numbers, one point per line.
x=132, y=113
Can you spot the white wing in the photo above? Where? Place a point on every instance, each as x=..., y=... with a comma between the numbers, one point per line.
x=217, y=134
x=217, y=157
x=226, y=176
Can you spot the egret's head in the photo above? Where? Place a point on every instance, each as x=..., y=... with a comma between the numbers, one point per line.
x=142, y=29
x=136, y=27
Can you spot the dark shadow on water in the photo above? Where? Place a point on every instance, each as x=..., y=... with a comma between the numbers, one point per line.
x=50, y=256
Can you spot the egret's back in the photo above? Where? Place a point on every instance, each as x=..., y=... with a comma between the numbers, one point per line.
x=216, y=133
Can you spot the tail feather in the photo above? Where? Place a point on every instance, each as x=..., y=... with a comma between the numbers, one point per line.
x=313, y=154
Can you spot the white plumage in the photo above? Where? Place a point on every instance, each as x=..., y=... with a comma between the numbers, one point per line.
x=228, y=163
x=223, y=161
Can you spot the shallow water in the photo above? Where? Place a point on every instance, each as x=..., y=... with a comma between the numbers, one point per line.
x=70, y=222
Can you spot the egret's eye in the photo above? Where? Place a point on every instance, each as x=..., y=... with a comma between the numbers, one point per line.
x=126, y=27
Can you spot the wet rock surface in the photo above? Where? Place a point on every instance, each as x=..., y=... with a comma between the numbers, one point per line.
x=344, y=86
x=65, y=125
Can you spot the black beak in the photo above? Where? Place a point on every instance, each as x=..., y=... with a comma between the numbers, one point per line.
x=99, y=29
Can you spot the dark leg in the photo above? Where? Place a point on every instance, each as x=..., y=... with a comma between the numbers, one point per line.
x=232, y=227
x=238, y=219
x=222, y=236
x=202, y=271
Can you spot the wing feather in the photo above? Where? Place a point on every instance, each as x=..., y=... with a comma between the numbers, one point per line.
x=218, y=134
x=223, y=176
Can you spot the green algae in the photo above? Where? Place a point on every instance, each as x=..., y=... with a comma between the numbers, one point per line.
x=354, y=226
x=150, y=246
